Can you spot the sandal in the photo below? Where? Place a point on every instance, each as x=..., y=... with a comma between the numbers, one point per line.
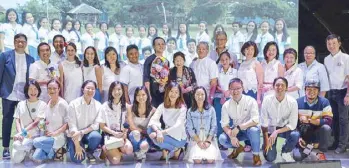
x=59, y=155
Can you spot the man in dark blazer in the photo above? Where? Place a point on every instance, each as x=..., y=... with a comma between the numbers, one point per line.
x=14, y=72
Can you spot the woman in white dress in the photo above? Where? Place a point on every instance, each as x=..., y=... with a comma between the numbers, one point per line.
x=31, y=31
x=202, y=35
x=111, y=70
x=44, y=29
x=92, y=70
x=27, y=114
x=173, y=111
x=71, y=76
x=271, y=66
x=55, y=30
x=75, y=37
x=138, y=117
x=67, y=27
x=111, y=119
x=202, y=128
x=293, y=74
x=52, y=143
x=9, y=29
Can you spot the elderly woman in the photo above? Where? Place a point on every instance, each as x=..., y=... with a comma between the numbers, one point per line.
x=83, y=127
x=28, y=114
x=293, y=74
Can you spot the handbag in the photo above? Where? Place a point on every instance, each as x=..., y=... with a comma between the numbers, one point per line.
x=112, y=142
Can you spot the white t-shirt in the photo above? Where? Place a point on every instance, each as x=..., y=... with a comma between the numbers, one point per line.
x=205, y=70
x=224, y=78
x=32, y=34
x=132, y=76
x=88, y=40
x=234, y=43
x=112, y=117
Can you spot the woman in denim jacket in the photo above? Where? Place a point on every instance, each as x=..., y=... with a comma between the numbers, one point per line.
x=202, y=128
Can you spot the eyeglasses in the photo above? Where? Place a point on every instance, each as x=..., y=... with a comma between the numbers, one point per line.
x=235, y=89
x=20, y=41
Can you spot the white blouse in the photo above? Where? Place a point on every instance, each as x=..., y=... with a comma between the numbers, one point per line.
x=89, y=73
x=271, y=71
x=112, y=117
x=203, y=37
x=27, y=112
x=294, y=77
x=248, y=75
x=82, y=115
x=9, y=33
x=224, y=78
x=174, y=120
x=43, y=34
x=32, y=34
x=103, y=40
x=88, y=40
x=72, y=80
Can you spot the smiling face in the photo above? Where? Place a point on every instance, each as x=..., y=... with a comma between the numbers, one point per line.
x=191, y=47
x=290, y=59
x=89, y=28
x=271, y=52
x=280, y=87
x=202, y=50
x=171, y=45
x=173, y=94
x=56, y=25
x=20, y=44
x=309, y=54
x=165, y=29
x=182, y=28
x=90, y=55
x=111, y=57
x=12, y=16
x=141, y=32
x=33, y=92
x=200, y=96
x=202, y=27
x=236, y=90
x=152, y=31
x=104, y=27
x=71, y=52
x=179, y=62
x=249, y=52
x=89, y=90
x=141, y=97
x=45, y=53
x=333, y=46
x=44, y=23
x=58, y=44
x=236, y=28
x=279, y=25
x=77, y=26
x=118, y=29
x=117, y=91
x=311, y=93
x=250, y=27
x=29, y=18
x=69, y=26
x=129, y=32
x=225, y=61
x=133, y=56
x=159, y=46
x=53, y=90
x=221, y=40
x=264, y=27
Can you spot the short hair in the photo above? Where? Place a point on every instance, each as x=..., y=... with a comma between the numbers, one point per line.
x=194, y=105
x=191, y=41
x=58, y=36
x=158, y=38
x=19, y=35
x=311, y=46
x=43, y=44
x=283, y=79
x=171, y=39
x=333, y=36
x=238, y=23
x=178, y=54
x=130, y=47
x=248, y=44
x=179, y=102
x=204, y=43
x=148, y=48
x=291, y=51
x=86, y=24
x=26, y=87
x=236, y=80
x=142, y=26
x=87, y=82
x=221, y=33
x=266, y=48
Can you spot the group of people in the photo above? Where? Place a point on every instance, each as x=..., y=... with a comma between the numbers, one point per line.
x=61, y=102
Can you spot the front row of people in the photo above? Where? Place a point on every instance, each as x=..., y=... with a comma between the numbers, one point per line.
x=42, y=128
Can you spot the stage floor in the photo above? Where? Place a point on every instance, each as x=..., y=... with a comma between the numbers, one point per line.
x=244, y=160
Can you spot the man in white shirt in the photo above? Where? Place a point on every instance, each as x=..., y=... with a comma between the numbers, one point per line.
x=236, y=41
x=242, y=110
x=118, y=41
x=14, y=73
x=58, y=55
x=337, y=65
x=132, y=74
x=191, y=54
x=206, y=70
x=279, y=116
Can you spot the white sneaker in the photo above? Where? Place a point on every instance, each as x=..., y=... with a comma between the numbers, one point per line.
x=287, y=157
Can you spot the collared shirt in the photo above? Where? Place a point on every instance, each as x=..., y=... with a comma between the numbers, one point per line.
x=182, y=43
x=82, y=115
x=9, y=33
x=234, y=43
x=197, y=121
x=113, y=118
x=245, y=110
x=132, y=76
x=27, y=112
x=315, y=71
x=57, y=115
x=215, y=56
x=338, y=68
x=88, y=40
x=224, y=78
x=17, y=93
x=32, y=34
x=43, y=34
x=202, y=37
x=39, y=70
x=279, y=114
x=174, y=120
x=52, y=34
x=294, y=77
x=262, y=40
x=189, y=57
x=56, y=58
x=66, y=35
x=205, y=70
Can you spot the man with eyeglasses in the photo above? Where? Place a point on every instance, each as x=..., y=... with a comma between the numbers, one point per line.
x=313, y=70
x=14, y=72
x=279, y=116
x=314, y=124
x=242, y=110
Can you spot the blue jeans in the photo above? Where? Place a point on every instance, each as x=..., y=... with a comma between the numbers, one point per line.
x=218, y=108
x=340, y=116
x=254, y=95
x=169, y=143
x=43, y=148
x=136, y=144
x=291, y=142
x=252, y=134
x=92, y=139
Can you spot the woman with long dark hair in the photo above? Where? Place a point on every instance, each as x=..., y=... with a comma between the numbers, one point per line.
x=9, y=29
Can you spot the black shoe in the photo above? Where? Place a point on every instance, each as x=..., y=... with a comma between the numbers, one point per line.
x=222, y=147
x=332, y=147
x=6, y=154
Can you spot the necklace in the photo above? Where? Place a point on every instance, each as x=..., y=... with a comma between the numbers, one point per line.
x=33, y=110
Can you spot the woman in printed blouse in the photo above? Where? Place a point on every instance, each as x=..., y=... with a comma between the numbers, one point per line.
x=184, y=76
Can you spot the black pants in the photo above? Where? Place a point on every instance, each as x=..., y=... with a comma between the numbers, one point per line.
x=8, y=109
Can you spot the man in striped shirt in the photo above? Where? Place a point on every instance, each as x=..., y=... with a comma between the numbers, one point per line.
x=315, y=118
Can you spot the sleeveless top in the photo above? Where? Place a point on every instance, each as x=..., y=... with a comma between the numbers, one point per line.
x=248, y=75
x=72, y=80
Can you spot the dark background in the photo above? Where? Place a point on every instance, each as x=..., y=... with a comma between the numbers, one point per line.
x=318, y=19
